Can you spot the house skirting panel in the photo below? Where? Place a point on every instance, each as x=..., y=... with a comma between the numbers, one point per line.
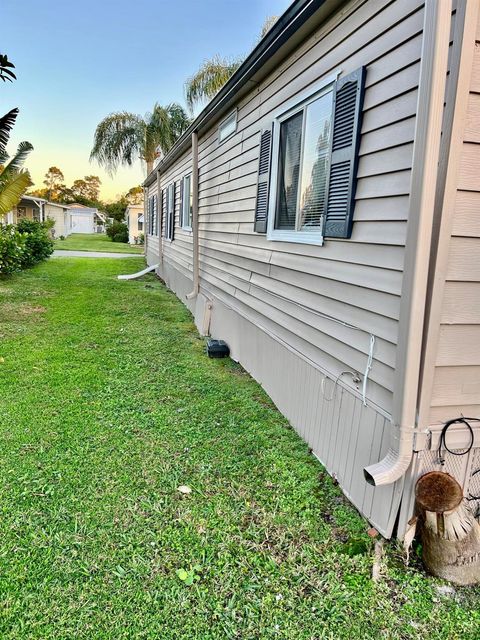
x=343, y=434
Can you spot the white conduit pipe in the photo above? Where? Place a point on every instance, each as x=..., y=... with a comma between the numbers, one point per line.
x=139, y=274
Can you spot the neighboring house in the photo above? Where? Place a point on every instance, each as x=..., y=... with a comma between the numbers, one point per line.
x=100, y=221
x=134, y=219
x=333, y=239
x=33, y=208
x=83, y=219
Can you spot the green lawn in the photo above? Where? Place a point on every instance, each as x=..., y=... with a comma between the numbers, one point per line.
x=108, y=405
x=95, y=242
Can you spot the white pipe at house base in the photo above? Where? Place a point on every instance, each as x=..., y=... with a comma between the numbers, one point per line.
x=139, y=274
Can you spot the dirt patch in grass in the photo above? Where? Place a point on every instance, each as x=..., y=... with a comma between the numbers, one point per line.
x=11, y=310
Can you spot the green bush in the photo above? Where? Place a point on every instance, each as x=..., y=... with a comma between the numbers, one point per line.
x=120, y=237
x=38, y=243
x=12, y=249
x=117, y=231
x=24, y=245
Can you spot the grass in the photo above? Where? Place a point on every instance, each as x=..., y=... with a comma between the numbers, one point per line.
x=95, y=242
x=108, y=405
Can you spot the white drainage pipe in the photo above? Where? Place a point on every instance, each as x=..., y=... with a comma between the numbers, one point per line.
x=134, y=276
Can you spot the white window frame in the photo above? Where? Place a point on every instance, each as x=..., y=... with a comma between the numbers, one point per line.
x=296, y=104
x=231, y=116
x=184, y=226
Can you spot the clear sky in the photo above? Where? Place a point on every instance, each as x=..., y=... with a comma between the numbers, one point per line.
x=76, y=62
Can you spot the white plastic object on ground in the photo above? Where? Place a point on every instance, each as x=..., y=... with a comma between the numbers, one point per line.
x=139, y=274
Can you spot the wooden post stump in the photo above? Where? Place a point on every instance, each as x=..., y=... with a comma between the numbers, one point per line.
x=449, y=531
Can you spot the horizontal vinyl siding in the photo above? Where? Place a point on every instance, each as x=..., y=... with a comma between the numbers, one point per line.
x=284, y=286
x=456, y=383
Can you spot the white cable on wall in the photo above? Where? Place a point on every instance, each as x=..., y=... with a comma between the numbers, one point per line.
x=367, y=369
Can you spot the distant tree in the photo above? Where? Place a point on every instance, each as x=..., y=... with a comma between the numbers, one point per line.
x=134, y=195
x=122, y=137
x=116, y=210
x=87, y=189
x=215, y=72
x=65, y=194
x=79, y=188
x=93, y=184
x=54, y=179
x=6, y=67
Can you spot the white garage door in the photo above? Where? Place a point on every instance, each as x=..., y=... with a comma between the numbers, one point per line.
x=82, y=223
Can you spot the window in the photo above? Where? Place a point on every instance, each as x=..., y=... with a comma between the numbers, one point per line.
x=302, y=163
x=308, y=159
x=140, y=222
x=169, y=195
x=187, y=200
x=227, y=127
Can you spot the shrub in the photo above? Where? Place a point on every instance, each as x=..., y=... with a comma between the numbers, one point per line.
x=38, y=243
x=141, y=239
x=12, y=249
x=117, y=231
x=120, y=237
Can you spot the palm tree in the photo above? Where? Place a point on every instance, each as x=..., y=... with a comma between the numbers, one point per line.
x=209, y=79
x=122, y=137
x=215, y=72
x=13, y=181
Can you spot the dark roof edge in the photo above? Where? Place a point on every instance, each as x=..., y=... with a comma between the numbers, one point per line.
x=289, y=22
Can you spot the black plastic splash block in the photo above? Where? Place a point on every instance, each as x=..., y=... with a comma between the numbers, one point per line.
x=217, y=349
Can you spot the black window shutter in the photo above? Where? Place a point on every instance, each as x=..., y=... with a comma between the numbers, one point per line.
x=149, y=216
x=347, y=123
x=261, y=205
x=180, y=219
x=172, y=209
x=164, y=216
x=155, y=215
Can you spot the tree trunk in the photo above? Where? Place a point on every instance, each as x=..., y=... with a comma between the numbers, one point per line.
x=450, y=534
x=149, y=167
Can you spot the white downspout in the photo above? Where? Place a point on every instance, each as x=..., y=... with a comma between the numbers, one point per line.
x=428, y=128
x=196, y=278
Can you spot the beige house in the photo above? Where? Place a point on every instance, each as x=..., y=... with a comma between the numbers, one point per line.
x=32, y=208
x=321, y=215
x=134, y=218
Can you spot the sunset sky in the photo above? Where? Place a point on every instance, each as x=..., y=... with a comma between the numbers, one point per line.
x=77, y=62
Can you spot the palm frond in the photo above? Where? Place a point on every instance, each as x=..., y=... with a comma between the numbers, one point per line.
x=6, y=67
x=16, y=162
x=267, y=25
x=119, y=139
x=12, y=191
x=6, y=124
x=209, y=79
